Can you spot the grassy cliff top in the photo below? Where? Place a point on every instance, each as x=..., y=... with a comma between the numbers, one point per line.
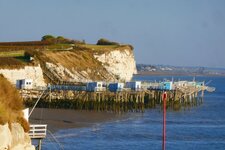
x=15, y=55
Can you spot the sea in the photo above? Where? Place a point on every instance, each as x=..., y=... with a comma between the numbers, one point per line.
x=199, y=127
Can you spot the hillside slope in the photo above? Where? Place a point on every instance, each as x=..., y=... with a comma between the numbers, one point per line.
x=85, y=64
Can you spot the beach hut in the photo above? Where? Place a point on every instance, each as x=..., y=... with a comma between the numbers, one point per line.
x=168, y=85
x=114, y=87
x=199, y=84
x=24, y=84
x=95, y=86
x=192, y=83
x=181, y=83
x=67, y=87
x=134, y=85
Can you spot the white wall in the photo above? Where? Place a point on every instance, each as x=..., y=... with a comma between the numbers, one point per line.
x=28, y=72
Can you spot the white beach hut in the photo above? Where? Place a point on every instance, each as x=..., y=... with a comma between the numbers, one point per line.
x=24, y=84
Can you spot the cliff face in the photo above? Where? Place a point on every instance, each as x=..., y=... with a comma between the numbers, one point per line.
x=91, y=65
x=83, y=64
x=120, y=63
x=14, y=138
x=28, y=72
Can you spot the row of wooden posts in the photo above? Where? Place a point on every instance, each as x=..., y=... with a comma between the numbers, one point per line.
x=123, y=101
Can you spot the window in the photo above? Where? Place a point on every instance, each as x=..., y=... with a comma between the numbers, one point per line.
x=28, y=83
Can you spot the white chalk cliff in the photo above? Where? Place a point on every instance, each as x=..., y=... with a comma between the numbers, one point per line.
x=14, y=138
x=109, y=65
x=113, y=65
x=120, y=63
x=28, y=72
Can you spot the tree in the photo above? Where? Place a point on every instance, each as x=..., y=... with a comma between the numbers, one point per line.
x=48, y=38
x=103, y=41
x=61, y=39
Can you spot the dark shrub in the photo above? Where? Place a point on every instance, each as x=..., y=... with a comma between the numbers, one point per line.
x=103, y=41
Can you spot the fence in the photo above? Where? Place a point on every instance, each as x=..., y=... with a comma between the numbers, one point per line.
x=38, y=131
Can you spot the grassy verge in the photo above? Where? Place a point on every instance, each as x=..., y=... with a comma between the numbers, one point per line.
x=12, y=53
x=58, y=46
x=100, y=47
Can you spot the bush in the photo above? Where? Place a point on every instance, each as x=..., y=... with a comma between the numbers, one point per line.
x=48, y=38
x=103, y=41
x=60, y=40
x=28, y=54
x=11, y=104
x=77, y=42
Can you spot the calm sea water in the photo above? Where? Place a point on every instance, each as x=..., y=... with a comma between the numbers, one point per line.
x=197, y=128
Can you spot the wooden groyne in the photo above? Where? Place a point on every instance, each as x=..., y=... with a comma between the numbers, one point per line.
x=121, y=101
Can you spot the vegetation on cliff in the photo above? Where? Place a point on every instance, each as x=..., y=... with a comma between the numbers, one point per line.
x=11, y=105
x=59, y=40
x=103, y=41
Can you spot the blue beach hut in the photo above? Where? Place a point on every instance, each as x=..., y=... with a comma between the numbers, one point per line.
x=134, y=85
x=94, y=86
x=166, y=85
x=115, y=87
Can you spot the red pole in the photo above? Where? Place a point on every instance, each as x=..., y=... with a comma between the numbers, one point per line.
x=164, y=121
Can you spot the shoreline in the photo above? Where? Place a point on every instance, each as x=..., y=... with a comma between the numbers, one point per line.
x=58, y=119
x=147, y=73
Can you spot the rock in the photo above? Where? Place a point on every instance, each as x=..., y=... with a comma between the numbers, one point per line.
x=121, y=63
x=16, y=139
x=5, y=137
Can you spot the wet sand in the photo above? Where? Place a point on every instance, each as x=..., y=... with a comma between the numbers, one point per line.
x=58, y=119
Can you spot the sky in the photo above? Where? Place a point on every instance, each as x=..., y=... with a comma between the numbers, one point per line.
x=169, y=32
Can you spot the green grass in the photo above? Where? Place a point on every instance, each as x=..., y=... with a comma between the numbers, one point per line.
x=13, y=58
x=58, y=46
x=100, y=47
x=12, y=53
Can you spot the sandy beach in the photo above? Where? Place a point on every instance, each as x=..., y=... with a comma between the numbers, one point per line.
x=58, y=119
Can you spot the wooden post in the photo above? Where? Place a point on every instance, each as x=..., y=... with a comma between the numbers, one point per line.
x=164, y=97
x=50, y=94
x=203, y=88
x=39, y=144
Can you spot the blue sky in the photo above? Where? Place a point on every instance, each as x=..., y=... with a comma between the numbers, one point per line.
x=173, y=32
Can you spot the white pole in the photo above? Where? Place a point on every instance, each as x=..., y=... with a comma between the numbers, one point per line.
x=36, y=103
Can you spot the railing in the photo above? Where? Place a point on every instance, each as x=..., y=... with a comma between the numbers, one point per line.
x=38, y=131
x=100, y=89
